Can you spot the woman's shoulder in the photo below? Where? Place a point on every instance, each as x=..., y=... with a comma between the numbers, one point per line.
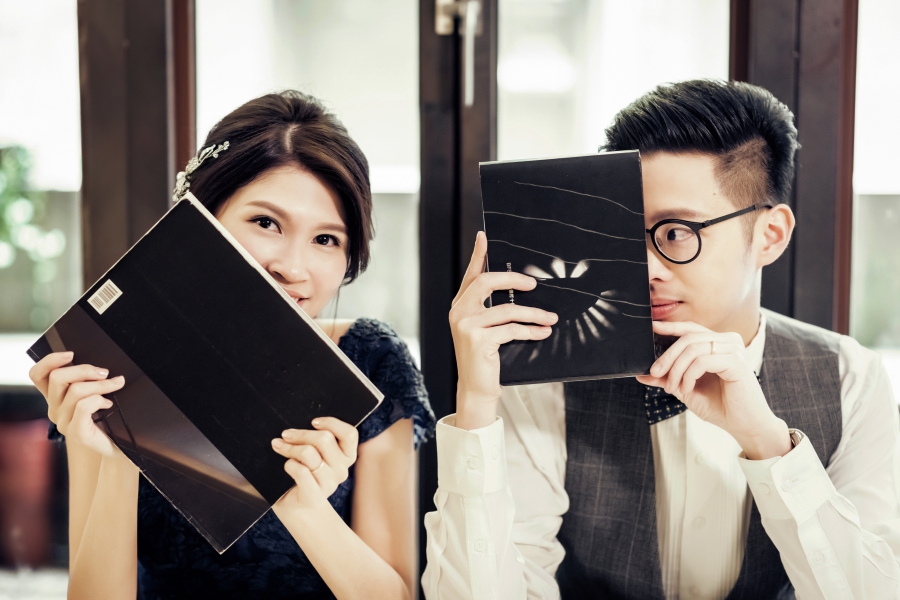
x=385, y=359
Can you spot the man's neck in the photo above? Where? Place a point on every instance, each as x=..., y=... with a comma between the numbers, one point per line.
x=744, y=322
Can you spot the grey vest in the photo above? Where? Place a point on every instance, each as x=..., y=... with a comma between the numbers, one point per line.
x=609, y=532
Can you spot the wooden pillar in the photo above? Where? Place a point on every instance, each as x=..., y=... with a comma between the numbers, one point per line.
x=129, y=91
x=805, y=54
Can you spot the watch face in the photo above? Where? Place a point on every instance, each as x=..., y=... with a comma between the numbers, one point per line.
x=795, y=438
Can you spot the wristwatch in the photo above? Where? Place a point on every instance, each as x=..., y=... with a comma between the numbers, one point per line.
x=796, y=437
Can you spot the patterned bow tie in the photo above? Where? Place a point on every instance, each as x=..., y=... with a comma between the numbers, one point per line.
x=661, y=406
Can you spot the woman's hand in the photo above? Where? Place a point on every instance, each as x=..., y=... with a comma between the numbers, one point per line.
x=478, y=333
x=709, y=372
x=319, y=460
x=74, y=394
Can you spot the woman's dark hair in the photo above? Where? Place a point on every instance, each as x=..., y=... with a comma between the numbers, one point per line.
x=744, y=126
x=290, y=128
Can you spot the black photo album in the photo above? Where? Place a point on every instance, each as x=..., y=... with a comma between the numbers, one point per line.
x=576, y=225
x=218, y=360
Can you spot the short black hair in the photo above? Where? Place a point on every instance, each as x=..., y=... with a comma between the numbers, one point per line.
x=745, y=126
x=291, y=128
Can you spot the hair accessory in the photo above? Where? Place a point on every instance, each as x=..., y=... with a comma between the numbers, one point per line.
x=182, y=181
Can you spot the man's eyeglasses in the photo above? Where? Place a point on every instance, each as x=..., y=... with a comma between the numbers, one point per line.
x=679, y=241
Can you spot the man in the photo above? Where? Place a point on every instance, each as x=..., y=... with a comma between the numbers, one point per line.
x=778, y=474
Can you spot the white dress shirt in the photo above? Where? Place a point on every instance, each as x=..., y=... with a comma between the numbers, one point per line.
x=501, y=498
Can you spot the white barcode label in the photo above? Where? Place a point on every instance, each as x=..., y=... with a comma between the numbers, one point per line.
x=105, y=296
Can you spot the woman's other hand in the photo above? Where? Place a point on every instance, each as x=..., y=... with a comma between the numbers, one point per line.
x=74, y=394
x=319, y=460
x=478, y=333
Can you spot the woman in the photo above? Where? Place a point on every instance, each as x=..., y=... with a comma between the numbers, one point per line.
x=284, y=177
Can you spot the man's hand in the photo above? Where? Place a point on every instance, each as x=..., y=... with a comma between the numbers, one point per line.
x=708, y=371
x=478, y=333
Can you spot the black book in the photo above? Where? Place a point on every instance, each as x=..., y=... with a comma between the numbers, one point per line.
x=576, y=225
x=218, y=360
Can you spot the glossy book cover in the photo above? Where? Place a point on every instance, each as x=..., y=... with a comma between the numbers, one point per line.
x=218, y=360
x=575, y=224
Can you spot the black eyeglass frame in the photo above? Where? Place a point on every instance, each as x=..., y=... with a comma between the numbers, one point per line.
x=696, y=227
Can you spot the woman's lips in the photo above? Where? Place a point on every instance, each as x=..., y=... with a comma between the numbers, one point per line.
x=664, y=308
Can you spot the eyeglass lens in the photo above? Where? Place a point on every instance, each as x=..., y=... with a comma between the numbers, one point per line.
x=677, y=242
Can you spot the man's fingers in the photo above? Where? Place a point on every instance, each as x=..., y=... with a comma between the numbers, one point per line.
x=678, y=328
x=724, y=343
x=516, y=331
x=510, y=313
x=476, y=265
x=718, y=364
x=40, y=372
x=488, y=283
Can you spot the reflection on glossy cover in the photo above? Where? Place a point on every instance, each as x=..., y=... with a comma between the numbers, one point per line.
x=218, y=361
x=576, y=225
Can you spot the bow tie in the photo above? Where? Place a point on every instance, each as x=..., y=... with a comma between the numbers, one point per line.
x=661, y=406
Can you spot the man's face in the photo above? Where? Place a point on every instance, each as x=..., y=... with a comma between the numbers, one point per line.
x=719, y=289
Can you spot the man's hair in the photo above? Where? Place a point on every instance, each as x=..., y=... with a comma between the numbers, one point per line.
x=749, y=132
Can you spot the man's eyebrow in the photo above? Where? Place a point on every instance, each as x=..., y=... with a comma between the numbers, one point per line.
x=678, y=213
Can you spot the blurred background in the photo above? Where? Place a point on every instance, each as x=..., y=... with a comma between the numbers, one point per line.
x=103, y=101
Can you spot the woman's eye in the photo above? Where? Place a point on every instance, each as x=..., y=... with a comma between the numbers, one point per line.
x=327, y=240
x=265, y=222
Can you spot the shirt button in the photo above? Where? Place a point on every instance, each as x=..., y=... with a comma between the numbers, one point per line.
x=818, y=559
x=787, y=485
x=763, y=489
x=699, y=523
x=474, y=463
x=703, y=458
x=480, y=545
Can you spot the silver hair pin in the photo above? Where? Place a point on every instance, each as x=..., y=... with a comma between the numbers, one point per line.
x=182, y=181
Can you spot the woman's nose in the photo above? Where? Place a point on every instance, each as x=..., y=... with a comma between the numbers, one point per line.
x=291, y=269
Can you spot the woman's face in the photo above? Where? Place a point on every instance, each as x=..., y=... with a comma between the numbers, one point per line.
x=293, y=225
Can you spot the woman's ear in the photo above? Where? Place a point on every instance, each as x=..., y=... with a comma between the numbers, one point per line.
x=773, y=233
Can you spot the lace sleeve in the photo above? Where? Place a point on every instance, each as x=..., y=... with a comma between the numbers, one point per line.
x=385, y=359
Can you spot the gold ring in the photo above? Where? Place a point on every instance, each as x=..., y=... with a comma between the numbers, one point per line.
x=712, y=347
x=321, y=464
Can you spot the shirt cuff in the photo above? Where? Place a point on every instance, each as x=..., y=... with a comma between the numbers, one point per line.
x=792, y=486
x=471, y=462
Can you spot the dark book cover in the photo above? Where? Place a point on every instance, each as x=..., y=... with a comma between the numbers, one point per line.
x=576, y=225
x=218, y=360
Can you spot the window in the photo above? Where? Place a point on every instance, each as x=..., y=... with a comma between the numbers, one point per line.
x=875, y=284
x=361, y=59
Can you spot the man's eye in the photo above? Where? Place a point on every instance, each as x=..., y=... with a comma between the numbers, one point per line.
x=679, y=234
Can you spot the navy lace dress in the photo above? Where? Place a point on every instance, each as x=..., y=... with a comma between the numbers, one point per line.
x=174, y=561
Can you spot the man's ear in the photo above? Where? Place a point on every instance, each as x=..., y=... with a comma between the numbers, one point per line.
x=773, y=233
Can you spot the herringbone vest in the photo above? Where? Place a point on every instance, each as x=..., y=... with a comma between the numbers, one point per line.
x=609, y=532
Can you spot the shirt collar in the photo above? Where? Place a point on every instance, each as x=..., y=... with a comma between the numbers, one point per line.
x=757, y=345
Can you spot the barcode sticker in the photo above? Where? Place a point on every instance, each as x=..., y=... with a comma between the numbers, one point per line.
x=105, y=296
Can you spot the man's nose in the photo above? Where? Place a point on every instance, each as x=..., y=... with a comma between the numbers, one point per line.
x=656, y=264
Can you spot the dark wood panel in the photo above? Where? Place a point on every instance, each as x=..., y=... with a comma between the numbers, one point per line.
x=126, y=54
x=478, y=133
x=820, y=91
x=104, y=133
x=184, y=98
x=805, y=54
x=149, y=144
x=772, y=64
x=438, y=233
